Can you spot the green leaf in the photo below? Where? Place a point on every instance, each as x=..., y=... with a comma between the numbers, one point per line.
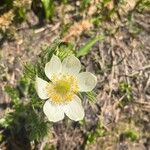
x=13, y=93
x=48, y=6
x=106, y=2
x=87, y=47
x=84, y=4
x=22, y=13
x=132, y=134
x=64, y=1
x=91, y=96
x=36, y=127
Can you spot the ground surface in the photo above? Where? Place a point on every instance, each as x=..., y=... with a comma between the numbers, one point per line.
x=122, y=65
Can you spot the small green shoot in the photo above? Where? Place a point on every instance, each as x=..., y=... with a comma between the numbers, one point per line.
x=92, y=136
x=143, y=5
x=48, y=6
x=125, y=89
x=131, y=134
x=84, y=4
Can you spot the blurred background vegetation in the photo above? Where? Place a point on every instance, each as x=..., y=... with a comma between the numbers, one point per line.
x=111, y=38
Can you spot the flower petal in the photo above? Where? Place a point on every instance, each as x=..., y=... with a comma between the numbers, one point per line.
x=86, y=81
x=40, y=86
x=53, y=112
x=54, y=66
x=74, y=109
x=71, y=65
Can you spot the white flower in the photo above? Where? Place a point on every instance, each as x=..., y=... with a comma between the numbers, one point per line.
x=61, y=92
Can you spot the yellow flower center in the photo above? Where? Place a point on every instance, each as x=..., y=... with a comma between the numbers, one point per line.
x=63, y=88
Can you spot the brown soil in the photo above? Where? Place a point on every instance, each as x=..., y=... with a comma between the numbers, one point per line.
x=121, y=57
